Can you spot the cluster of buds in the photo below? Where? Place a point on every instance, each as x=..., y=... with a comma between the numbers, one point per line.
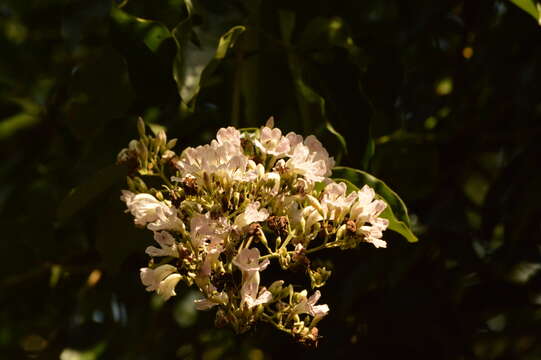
x=252, y=200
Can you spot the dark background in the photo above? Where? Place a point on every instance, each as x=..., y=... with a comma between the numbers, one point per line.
x=440, y=99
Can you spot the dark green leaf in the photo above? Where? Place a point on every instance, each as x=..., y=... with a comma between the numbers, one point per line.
x=81, y=196
x=101, y=91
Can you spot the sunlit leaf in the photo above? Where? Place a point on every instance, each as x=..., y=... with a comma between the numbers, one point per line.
x=396, y=211
x=531, y=7
x=199, y=53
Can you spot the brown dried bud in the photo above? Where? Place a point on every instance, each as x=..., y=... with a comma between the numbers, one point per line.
x=351, y=227
x=253, y=230
x=278, y=224
x=189, y=184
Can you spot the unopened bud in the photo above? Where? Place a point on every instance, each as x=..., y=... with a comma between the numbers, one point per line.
x=161, y=139
x=171, y=144
x=315, y=203
x=341, y=232
x=259, y=310
x=141, y=151
x=131, y=184
x=276, y=287
x=260, y=170
x=132, y=145
x=236, y=199
x=318, y=277
x=140, y=184
x=141, y=126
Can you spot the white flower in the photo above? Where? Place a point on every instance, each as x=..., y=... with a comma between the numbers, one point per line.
x=302, y=162
x=272, y=180
x=250, y=215
x=366, y=209
x=162, y=279
x=213, y=251
x=247, y=261
x=311, y=217
x=308, y=158
x=335, y=203
x=229, y=135
x=308, y=305
x=167, y=286
x=209, y=235
x=144, y=207
x=222, y=158
x=204, y=229
x=319, y=153
x=215, y=298
x=272, y=142
x=373, y=233
x=166, y=219
x=167, y=244
x=294, y=140
x=365, y=212
x=151, y=277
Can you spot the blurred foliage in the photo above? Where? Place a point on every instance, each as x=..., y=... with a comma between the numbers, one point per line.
x=439, y=99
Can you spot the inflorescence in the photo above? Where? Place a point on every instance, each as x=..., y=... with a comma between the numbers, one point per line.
x=224, y=212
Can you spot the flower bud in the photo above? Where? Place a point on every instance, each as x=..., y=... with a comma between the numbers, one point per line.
x=315, y=203
x=161, y=139
x=260, y=170
x=171, y=144
x=259, y=310
x=131, y=184
x=341, y=232
x=141, y=126
x=318, y=277
x=236, y=199
x=276, y=288
x=140, y=184
x=141, y=151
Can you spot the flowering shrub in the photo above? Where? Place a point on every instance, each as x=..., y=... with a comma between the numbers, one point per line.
x=227, y=211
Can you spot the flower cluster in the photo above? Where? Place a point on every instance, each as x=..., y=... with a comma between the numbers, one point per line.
x=248, y=204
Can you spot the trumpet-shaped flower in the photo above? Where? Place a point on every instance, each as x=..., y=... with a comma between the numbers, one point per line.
x=248, y=262
x=144, y=207
x=162, y=279
x=272, y=142
x=308, y=305
x=365, y=212
x=167, y=244
x=250, y=215
x=335, y=203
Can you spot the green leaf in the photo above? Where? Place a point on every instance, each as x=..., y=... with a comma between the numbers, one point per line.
x=25, y=119
x=81, y=196
x=100, y=91
x=396, y=211
x=531, y=7
x=194, y=64
x=311, y=104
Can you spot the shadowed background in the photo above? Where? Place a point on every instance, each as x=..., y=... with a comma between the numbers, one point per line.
x=440, y=99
